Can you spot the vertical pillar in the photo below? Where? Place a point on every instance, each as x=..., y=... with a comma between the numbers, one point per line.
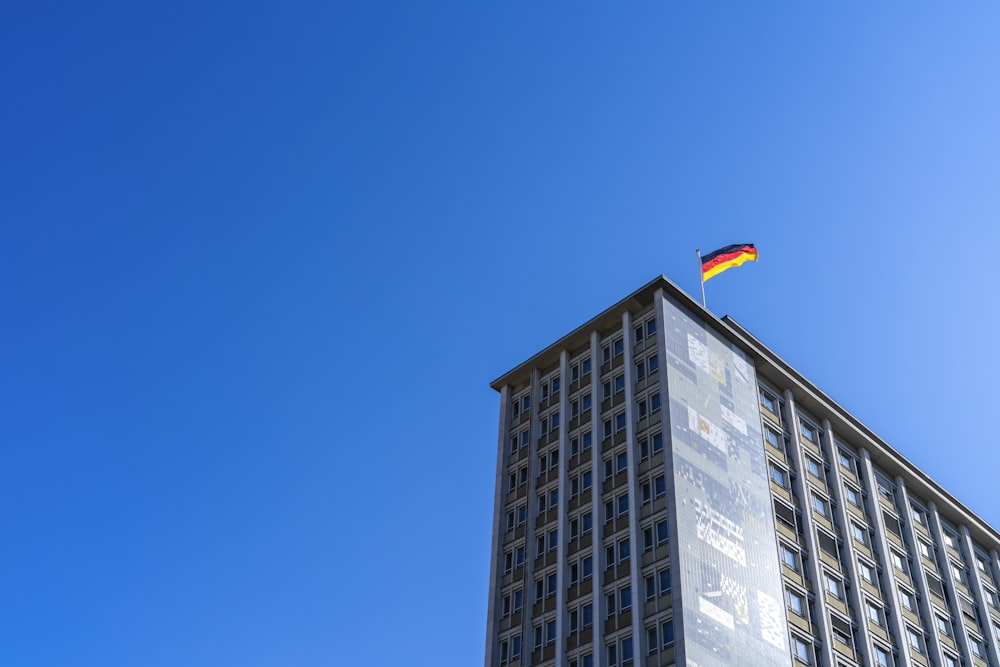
x=880, y=544
x=958, y=618
x=597, y=550
x=638, y=636
x=563, y=508
x=842, y=520
x=503, y=453
x=993, y=657
x=815, y=569
x=919, y=576
x=527, y=639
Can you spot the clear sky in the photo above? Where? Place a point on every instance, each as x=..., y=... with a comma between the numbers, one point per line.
x=260, y=261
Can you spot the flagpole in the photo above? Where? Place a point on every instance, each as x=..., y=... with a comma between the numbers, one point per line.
x=701, y=279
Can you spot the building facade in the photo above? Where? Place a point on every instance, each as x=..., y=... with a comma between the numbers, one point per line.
x=669, y=491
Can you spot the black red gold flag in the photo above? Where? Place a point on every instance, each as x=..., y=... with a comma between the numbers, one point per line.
x=719, y=260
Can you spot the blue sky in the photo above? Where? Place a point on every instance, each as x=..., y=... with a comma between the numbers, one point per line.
x=261, y=261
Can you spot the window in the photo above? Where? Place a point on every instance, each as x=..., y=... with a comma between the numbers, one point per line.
x=619, y=346
x=661, y=533
x=874, y=613
x=813, y=466
x=627, y=654
x=605, y=354
x=585, y=367
x=788, y=557
x=518, y=600
x=653, y=364
x=795, y=603
x=949, y=661
x=976, y=646
x=981, y=565
x=587, y=566
x=652, y=640
x=898, y=561
x=553, y=539
x=664, y=577
x=519, y=557
x=885, y=489
x=650, y=328
x=866, y=571
x=833, y=586
x=588, y=440
x=926, y=550
x=659, y=486
x=991, y=598
x=619, y=422
x=554, y=497
x=623, y=550
x=951, y=539
x=808, y=431
x=943, y=625
x=778, y=476
x=800, y=650
x=919, y=516
x=769, y=401
x=958, y=573
x=906, y=599
x=882, y=657
x=585, y=402
x=657, y=443
x=773, y=438
x=914, y=640
x=588, y=522
x=550, y=632
x=623, y=504
x=619, y=383
x=852, y=496
x=621, y=461
x=553, y=585
x=588, y=615
x=846, y=460
x=625, y=598
x=819, y=504
x=650, y=587
x=667, y=632
x=508, y=562
x=860, y=534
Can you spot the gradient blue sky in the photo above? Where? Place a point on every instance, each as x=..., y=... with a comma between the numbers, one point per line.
x=260, y=262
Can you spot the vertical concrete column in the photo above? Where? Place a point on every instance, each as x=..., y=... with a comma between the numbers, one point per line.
x=993, y=657
x=880, y=544
x=676, y=591
x=527, y=639
x=919, y=576
x=797, y=454
x=563, y=508
x=842, y=520
x=597, y=502
x=638, y=636
x=958, y=618
x=503, y=456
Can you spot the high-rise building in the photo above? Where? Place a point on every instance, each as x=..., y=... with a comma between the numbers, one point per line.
x=669, y=491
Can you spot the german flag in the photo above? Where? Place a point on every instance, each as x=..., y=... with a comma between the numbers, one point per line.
x=718, y=261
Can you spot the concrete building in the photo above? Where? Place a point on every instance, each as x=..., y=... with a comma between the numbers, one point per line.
x=669, y=491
